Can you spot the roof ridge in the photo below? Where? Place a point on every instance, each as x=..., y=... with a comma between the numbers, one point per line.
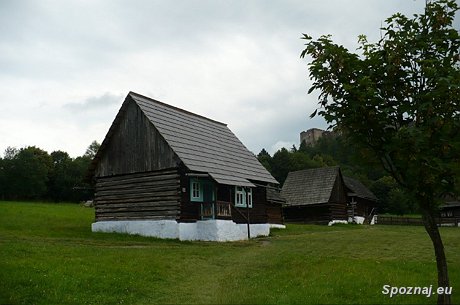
x=174, y=107
x=335, y=167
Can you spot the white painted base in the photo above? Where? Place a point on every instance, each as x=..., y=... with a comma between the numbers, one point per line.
x=207, y=230
x=277, y=226
x=333, y=222
x=357, y=219
x=360, y=220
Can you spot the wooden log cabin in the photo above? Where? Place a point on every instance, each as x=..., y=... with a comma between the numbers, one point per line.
x=323, y=195
x=451, y=208
x=165, y=172
x=362, y=203
x=315, y=195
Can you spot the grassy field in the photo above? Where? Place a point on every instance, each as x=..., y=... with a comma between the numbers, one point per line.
x=48, y=255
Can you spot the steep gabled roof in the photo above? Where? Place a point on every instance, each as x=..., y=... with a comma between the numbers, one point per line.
x=309, y=186
x=358, y=189
x=202, y=144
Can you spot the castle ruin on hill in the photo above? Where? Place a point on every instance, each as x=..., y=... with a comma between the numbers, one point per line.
x=311, y=136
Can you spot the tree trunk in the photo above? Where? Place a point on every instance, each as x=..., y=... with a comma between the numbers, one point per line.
x=431, y=228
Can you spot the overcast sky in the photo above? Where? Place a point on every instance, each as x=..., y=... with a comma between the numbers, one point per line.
x=66, y=66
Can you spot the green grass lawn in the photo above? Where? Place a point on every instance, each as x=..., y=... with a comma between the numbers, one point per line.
x=48, y=255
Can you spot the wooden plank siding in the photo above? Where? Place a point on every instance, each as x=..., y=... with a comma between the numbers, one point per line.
x=149, y=195
x=189, y=212
x=258, y=212
x=316, y=214
x=274, y=213
x=135, y=145
x=261, y=212
x=338, y=200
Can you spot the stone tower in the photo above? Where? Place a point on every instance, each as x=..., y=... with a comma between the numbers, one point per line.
x=311, y=136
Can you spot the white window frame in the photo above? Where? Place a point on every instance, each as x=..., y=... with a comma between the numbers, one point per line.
x=196, y=186
x=243, y=197
x=240, y=197
x=249, y=197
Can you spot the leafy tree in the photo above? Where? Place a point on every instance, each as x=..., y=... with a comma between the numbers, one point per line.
x=2, y=179
x=265, y=159
x=392, y=198
x=399, y=202
x=60, y=179
x=27, y=173
x=285, y=161
x=281, y=165
x=92, y=149
x=400, y=99
x=82, y=190
x=10, y=152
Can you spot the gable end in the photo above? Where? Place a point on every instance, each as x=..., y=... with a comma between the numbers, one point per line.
x=133, y=144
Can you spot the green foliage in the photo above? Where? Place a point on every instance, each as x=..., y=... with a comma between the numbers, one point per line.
x=50, y=256
x=25, y=173
x=31, y=173
x=392, y=198
x=400, y=203
x=399, y=99
x=284, y=161
x=265, y=159
x=92, y=150
x=66, y=178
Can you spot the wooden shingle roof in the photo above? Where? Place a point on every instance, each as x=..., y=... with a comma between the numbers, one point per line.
x=204, y=145
x=310, y=186
x=358, y=189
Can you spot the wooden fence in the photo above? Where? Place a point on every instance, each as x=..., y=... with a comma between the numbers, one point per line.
x=412, y=221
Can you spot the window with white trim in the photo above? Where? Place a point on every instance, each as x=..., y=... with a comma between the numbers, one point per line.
x=240, y=197
x=196, y=190
x=243, y=197
x=249, y=197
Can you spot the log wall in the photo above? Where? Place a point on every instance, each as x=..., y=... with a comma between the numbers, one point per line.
x=258, y=212
x=319, y=214
x=133, y=145
x=338, y=200
x=148, y=195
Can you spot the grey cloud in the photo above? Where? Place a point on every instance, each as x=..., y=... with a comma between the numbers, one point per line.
x=95, y=103
x=233, y=59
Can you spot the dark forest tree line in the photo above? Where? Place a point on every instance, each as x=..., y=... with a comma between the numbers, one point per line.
x=31, y=173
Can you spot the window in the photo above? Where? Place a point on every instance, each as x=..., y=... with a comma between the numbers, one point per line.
x=243, y=197
x=202, y=190
x=249, y=197
x=196, y=190
x=240, y=197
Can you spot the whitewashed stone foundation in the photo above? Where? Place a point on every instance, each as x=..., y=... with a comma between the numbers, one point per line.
x=206, y=230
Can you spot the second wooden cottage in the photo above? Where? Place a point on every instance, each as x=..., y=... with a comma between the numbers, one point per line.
x=315, y=195
x=362, y=203
x=165, y=172
x=324, y=196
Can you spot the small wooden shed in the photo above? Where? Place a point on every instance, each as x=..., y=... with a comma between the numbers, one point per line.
x=166, y=172
x=315, y=195
x=362, y=203
x=322, y=195
x=451, y=208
